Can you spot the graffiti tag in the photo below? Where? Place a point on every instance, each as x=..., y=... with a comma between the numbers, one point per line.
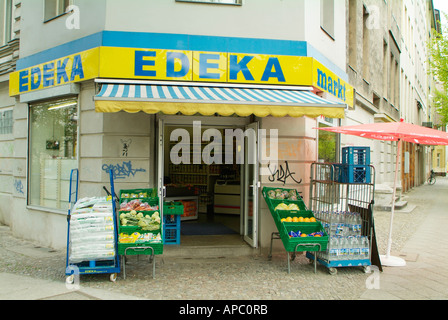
x=122, y=171
x=281, y=174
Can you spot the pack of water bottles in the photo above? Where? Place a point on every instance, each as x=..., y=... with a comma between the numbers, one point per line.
x=346, y=241
x=92, y=230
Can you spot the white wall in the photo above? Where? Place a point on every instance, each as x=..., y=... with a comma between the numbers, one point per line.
x=37, y=36
x=270, y=19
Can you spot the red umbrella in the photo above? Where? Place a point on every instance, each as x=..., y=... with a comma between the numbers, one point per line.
x=394, y=131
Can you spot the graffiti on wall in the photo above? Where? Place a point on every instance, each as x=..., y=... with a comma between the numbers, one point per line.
x=122, y=171
x=282, y=173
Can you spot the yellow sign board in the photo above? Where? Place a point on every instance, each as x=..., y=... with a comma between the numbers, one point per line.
x=327, y=81
x=74, y=68
x=179, y=65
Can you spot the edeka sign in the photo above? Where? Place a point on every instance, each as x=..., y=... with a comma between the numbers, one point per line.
x=160, y=64
x=74, y=68
x=180, y=65
x=329, y=82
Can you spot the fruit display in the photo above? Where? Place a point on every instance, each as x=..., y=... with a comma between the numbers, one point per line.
x=145, y=221
x=284, y=206
x=137, y=237
x=137, y=205
x=282, y=194
x=298, y=219
x=298, y=227
x=300, y=234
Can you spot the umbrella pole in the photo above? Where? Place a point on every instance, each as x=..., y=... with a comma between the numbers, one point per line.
x=388, y=260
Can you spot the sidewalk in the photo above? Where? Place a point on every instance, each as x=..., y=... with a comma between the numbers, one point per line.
x=30, y=272
x=425, y=277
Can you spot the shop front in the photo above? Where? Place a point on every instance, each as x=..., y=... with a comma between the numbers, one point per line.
x=209, y=129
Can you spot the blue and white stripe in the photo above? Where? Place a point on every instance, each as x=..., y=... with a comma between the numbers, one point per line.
x=209, y=94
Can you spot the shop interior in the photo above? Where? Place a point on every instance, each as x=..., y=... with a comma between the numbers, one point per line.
x=210, y=193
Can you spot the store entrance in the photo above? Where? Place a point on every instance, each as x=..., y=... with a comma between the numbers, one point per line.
x=204, y=172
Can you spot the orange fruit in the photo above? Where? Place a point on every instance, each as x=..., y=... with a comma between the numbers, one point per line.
x=303, y=235
x=283, y=220
x=300, y=219
x=306, y=220
x=312, y=219
x=295, y=219
x=289, y=219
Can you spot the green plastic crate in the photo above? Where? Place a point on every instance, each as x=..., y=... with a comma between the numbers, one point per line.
x=173, y=208
x=310, y=227
x=158, y=248
x=130, y=194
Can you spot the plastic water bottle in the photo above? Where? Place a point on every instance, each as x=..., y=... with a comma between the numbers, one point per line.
x=334, y=246
x=365, y=248
x=358, y=223
x=354, y=248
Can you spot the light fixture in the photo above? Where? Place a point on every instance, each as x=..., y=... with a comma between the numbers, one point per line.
x=63, y=105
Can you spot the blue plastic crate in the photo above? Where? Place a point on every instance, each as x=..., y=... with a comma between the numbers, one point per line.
x=347, y=173
x=171, y=221
x=356, y=155
x=171, y=236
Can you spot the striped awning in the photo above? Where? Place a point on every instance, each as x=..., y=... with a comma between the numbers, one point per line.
x=209, y=100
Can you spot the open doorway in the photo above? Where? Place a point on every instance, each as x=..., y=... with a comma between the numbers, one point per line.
x=206, y=176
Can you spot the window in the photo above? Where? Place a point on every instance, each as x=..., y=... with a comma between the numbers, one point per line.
x=6, y=122
x=236, y=2
x=55, y=8
x=52, y=152
x=327, y=16
x=328, y=143
x=5, y=21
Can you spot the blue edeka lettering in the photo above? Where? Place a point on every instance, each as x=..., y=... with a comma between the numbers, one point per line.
x=204, y=65
x=34, y=78
x=237, y=67
x=141, y=62
x=331, y=85
x=171, y=58
x=273, y=70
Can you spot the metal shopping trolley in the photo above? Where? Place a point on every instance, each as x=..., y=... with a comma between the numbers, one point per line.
x=343, y=202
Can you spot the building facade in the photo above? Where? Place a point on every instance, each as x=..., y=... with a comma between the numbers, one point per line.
x=102, y=87
x=110, y=86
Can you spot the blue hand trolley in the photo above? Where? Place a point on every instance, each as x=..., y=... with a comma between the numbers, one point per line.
x=96, y=266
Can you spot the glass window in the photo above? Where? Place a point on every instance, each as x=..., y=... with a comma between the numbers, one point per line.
x=238, y=2
x=6, y=122
x=327, y=16
x=5, y=21
x=328, y=145
x=53, y=152
x=54, y=8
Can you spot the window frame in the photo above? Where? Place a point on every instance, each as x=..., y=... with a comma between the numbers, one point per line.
x=58, y=13
x=240, y=2
x=2, y=115
x=331, y=33
x=30, y=205
x=6, y=30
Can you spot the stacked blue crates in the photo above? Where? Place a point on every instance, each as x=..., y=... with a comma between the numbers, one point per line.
x=171, y=229
x=355, y=166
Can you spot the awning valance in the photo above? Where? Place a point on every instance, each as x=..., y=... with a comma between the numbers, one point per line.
x=208, y=100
